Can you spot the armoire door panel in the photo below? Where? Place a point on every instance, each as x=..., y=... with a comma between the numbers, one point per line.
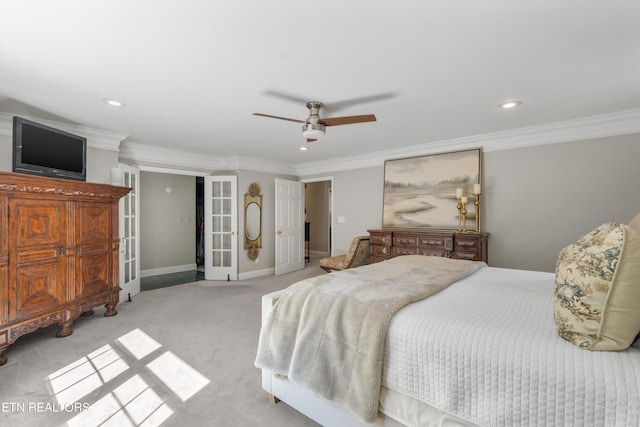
x=26, y=256
x=93, y=247
x=37, y=287
x=4, y=259
x=39, y=223
x=4, y=225
x=94, y=221
x=93, y=240
x=93, y=275
x=4, y=292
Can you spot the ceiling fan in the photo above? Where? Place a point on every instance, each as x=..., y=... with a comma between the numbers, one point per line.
x=314, y=126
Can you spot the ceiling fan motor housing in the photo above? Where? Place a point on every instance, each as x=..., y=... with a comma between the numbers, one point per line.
x=317, y=126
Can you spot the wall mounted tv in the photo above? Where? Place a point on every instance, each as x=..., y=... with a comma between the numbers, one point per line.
x=43, y=150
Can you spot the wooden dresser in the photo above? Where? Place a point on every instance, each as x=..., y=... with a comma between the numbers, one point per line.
x=58, y=253
x=389, y=243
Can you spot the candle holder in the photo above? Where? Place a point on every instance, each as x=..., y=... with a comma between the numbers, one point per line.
x=476, y=203
x=463, y=214
x=459, y=206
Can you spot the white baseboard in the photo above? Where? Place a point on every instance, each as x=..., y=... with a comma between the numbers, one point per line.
x=319, y=253
x=257, y=273
x=167, y=270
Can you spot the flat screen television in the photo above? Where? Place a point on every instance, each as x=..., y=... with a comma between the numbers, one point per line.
x=43, y=150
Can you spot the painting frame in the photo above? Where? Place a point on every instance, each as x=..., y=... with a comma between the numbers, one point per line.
x=420, y=191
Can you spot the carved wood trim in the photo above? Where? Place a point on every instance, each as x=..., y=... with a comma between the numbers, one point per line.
x=29, y=326
x=23, y=183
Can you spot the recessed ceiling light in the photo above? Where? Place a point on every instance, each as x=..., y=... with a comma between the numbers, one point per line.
x=304, y=148
x=509, y=105
x=113, y=103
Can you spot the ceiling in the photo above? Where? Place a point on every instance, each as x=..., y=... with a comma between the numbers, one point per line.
x=191, y=73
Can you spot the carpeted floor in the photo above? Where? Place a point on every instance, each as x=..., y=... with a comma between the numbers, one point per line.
x=175, y=356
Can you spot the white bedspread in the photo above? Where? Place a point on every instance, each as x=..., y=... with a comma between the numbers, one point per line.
x=327, y=333
x=486, y=350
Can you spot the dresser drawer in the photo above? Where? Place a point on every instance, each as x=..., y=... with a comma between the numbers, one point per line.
x=433, y=252
x=399, y=250
x=432, y=242
x=383, y=239
x=405, y=240
x=471, y=256
x=466, y=244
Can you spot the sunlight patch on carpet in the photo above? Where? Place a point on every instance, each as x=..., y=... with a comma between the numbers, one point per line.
x=181, y=378
x=140, y=400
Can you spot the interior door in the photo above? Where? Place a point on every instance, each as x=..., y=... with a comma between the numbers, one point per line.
x=220, y=227
x=129, y=223
x=289, y=226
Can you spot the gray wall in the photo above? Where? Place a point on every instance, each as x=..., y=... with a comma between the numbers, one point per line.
x=540, y=199
x=357, y=197
x=266, y=258
x=536, y=199
x=167, y=221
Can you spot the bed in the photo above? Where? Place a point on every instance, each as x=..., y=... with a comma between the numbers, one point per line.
x=493, y=348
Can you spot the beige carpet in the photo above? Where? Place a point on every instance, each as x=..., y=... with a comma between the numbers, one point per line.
x=175, y=356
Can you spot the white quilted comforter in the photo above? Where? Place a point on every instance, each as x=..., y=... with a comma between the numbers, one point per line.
x=486, y=350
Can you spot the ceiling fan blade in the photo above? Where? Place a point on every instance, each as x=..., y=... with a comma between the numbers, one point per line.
x=286, y=96
x=347, y=120
x=279, y=118
x=332, y=107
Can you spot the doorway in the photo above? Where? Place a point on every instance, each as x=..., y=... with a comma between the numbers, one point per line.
x=170, y=216
x=319, y=216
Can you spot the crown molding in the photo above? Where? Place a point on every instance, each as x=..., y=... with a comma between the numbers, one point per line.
x=621, y=123
x=96, y=138
x=144, y=154
x=261, y=165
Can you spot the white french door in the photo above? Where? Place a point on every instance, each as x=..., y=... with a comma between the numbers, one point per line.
x=129, y=224
x=289, y=226
x=220, y=227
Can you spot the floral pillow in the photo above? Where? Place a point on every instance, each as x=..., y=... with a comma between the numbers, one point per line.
x=597, y=289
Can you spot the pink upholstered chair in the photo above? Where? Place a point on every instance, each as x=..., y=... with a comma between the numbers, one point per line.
x=357, y=255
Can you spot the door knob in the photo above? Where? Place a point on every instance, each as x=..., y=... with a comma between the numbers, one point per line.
x=279, y=231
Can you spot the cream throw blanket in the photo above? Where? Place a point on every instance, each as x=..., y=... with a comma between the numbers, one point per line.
x=327, y=333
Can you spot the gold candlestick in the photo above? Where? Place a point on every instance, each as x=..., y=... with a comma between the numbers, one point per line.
x=476, y=203
x=459, y=206
x=463, y=211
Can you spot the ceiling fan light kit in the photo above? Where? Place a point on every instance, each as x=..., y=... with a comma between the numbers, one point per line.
x=313, y=130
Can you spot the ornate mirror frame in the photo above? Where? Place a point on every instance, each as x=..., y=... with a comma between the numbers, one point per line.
x=253, y=221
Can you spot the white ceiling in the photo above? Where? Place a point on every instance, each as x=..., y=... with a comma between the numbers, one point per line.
x=191, y=73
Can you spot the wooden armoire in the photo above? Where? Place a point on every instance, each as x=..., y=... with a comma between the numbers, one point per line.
x=59, y=250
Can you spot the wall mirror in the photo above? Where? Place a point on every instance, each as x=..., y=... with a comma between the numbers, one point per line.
x=253, y=221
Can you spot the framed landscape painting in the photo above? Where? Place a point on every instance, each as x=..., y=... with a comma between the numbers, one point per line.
x=420, y=192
